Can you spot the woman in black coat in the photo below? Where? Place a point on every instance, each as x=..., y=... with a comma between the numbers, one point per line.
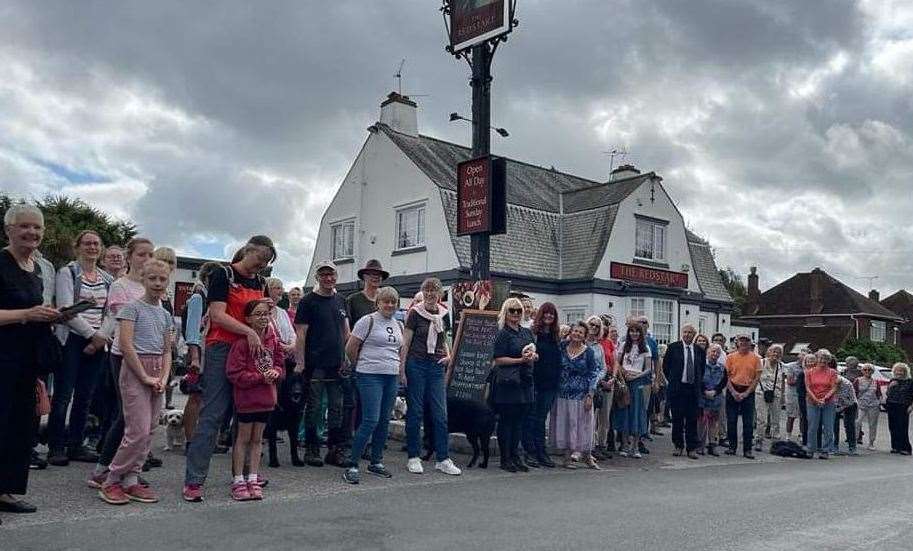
x=512, y=389
x=26, y=350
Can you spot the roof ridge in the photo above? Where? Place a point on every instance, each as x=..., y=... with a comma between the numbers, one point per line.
x=608, y=183
x=527, y=163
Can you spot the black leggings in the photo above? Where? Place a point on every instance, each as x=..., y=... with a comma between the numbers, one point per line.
x=111, y=441
x=510, y=429
x=899, y=425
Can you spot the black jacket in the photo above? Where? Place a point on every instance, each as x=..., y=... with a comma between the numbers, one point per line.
x=674, y=367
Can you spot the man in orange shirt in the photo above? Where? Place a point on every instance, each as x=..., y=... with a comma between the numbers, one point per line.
x=743, y=369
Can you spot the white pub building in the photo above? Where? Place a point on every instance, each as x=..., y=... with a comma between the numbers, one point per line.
x=619, y=247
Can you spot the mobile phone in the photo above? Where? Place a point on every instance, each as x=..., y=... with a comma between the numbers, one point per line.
x=77, y=308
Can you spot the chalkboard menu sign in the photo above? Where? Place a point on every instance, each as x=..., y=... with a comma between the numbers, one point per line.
x=472, y=353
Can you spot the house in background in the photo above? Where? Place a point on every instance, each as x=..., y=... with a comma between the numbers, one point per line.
x=813, y=309
x=901, y=303
x=618, y=246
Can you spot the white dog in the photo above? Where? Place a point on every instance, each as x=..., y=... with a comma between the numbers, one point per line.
x=399, y=408
x=173, y=420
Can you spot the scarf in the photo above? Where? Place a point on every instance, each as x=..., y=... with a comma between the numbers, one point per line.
x=435, y=324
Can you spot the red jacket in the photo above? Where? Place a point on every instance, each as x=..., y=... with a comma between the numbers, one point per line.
x=245, y=371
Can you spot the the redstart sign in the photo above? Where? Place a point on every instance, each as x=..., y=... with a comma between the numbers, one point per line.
x=475, y=21
x=650, y=276
x=481, y=199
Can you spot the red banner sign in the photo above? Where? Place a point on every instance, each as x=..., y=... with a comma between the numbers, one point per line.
x=650, y=276
x=481, y=201
x=475, y=21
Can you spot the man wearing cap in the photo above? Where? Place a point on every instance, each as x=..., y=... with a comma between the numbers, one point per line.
x=743, y=369
x=362, y=303
x=321, y=324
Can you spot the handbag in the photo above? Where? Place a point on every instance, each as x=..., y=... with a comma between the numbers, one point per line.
x=48, y=352
x=42, y=401
x=622, y=396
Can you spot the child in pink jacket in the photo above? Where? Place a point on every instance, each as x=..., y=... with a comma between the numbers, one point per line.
x=254, y=375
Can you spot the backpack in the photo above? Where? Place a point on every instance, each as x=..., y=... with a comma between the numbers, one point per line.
x=786, y=448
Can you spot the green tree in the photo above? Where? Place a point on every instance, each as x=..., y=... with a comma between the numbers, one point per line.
x=64, y=218
x=736, y=287
x=868, y=351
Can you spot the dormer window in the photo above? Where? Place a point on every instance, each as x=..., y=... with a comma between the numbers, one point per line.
x=650, y=238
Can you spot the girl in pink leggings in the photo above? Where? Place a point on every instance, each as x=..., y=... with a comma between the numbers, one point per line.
x=145, y=342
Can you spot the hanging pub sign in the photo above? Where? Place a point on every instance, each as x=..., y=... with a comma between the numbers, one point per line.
x=650, y=276
x=481, y=196
x=475, y=21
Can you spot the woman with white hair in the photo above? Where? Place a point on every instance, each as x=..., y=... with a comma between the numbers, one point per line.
x=821, y=388
x=25, y=341
x=899, y=403
x=512, y=381
x=770, y=394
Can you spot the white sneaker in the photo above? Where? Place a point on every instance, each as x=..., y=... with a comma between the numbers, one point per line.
x=871, y=448
x=447, y=467
x=415, y=465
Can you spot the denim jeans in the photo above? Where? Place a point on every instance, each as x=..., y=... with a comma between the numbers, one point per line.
x=848, y=417
x=377, y=394
x=534, y=431
x=425, y=381
x=820, y=422
x=76, y=378
x=217, y=401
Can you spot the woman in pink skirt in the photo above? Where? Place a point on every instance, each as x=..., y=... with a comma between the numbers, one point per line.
x=572, y=419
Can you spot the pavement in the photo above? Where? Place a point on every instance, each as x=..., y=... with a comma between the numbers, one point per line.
x=657, y=503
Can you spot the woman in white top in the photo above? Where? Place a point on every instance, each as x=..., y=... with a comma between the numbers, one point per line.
x=635, y=369
x=374, y=347
x=281, y=322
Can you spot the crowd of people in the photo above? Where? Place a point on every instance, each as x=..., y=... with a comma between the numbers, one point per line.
x=102, y=333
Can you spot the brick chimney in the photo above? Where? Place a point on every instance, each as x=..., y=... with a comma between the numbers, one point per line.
x=873, y=295
x=400, y=113
x=624, y=171
x=753, y=300
x=816, y=290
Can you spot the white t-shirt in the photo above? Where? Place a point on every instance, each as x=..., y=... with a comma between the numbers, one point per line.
x=379, y=350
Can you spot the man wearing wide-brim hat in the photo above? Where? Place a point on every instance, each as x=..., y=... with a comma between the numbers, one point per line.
x=362, y=303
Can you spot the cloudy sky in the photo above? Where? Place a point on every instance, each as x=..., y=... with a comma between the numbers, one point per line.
x=784, y=130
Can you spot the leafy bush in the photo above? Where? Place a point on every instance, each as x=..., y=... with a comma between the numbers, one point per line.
x=876, y=352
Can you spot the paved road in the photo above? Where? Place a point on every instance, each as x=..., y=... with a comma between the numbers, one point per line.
x=658, y=503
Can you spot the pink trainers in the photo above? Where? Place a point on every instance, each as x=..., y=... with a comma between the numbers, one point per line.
x=193, y=493
x=141, y=493
x=113, y=494
x=240, y=491
x=96, y=481
x=255, y=490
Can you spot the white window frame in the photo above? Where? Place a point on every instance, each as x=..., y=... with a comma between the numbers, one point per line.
x=573, y=314
x=421, y=208
x=702, y=322
x=658, y=236
x=637, y=306
x=348, y=251
x=879, y=331
x=663, y=329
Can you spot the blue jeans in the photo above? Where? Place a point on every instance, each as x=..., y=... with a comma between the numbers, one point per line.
x=76, y=378
x=425, y=381
x=534, y=429
x=217, y=401
x=377, y=393
x=820, y=422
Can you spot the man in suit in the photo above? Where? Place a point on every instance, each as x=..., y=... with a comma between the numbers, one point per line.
x=683, y=366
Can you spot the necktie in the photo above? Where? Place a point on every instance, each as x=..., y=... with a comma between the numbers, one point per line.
x=689, y=366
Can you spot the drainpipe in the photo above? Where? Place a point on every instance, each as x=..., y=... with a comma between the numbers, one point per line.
x=855, y=324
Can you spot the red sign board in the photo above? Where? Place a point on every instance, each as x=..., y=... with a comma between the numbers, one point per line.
x=650, y=276
x=481, y=201
x=475, y=21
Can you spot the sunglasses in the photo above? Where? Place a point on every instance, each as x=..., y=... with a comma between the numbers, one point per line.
x=514, y=310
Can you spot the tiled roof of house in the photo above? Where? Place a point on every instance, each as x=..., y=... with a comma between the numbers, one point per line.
x=558, y=224
x=794, y=297
x=901, y=303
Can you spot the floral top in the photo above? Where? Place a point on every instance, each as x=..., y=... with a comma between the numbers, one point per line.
x=868, y=393
x=846, y=394
x=578, y=375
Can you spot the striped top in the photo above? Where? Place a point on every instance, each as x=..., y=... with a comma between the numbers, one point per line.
x=97, y=292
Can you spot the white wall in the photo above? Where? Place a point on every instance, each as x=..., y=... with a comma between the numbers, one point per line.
x=620, y=247
x=381, y=179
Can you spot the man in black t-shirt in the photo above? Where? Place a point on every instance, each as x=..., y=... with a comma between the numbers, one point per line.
x=322, y=327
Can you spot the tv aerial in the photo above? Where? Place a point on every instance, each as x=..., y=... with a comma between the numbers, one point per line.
x=399, y=81
x=617, y=152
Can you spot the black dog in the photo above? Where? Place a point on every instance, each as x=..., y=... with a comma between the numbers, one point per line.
x=287, y=417
x=474, y=419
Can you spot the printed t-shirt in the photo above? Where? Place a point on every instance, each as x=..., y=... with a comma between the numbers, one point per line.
x=418, y=348
x=97, y=293
x=743, y=369
x=235, y=295
x=326, y=319
x=358, y=306
x=379, y=349
x=150, y=321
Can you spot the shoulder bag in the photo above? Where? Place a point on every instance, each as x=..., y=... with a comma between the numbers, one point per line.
x=769, y=394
